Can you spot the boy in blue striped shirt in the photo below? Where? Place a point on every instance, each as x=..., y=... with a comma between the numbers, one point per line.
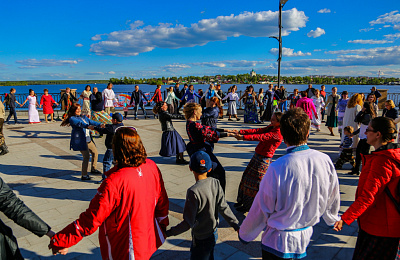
x=347, y=153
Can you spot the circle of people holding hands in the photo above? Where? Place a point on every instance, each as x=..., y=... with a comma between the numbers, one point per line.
x=284, y=198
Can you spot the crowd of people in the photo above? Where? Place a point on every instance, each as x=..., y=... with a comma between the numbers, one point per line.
x=284, y=198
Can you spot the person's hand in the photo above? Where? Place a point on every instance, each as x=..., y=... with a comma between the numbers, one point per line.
x=40, y=106
x=103, y=126
x=338, y=225
x=55, y=251
x=91, y=127
x=231, y=134
x=239, y=137
x=363, y=109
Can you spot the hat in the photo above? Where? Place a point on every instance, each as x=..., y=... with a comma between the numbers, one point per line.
x=200, y=162
x=118, y=117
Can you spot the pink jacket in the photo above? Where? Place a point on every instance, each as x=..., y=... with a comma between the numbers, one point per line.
x=307, y=105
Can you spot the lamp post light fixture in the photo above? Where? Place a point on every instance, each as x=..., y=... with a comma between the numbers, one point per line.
x=279, y=38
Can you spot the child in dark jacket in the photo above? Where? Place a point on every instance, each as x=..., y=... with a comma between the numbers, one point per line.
x=347, y=153
x=204, y=200
x=109, y=130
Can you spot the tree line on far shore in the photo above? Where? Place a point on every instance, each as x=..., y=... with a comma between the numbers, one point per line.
x=224, y=79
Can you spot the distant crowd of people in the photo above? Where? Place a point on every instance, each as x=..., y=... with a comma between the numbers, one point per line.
x=284, y=199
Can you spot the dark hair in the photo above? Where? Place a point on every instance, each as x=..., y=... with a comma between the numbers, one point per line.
x=278, y=116
x=303, y=93
x=369, y=109
x=345, y=93
x=386, y=126
x=295, y=126
x=70, y=113
x=12, y=89
x=260, y=90
x=90, y=88
x=128, y=148
x=157, y=107
x=109, y=84
x=45, y=90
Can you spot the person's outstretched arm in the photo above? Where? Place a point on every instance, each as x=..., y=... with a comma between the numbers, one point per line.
x=15, y=209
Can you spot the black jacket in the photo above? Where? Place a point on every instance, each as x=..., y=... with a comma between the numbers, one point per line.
x=392, y=113
x=109, y=130
x=16, y=210
x=96, y=100
x=64, y=98
x=166, y=122
x=137, y=97
x=178, y=93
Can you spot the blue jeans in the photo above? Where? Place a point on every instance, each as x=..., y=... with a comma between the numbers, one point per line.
x=107, y=161
x=13, y=111
x=141, y=106
x=283, y=106
x=203, y=249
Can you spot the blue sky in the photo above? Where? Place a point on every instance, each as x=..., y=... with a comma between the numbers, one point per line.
x=103, y=39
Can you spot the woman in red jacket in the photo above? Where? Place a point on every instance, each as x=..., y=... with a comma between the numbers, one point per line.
x=269, y=139
x=376, y=214
x=130, y=207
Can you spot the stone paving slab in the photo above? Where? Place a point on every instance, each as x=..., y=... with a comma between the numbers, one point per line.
x=46, y=176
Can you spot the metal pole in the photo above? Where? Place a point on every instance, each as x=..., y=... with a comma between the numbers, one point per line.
x=280, y=44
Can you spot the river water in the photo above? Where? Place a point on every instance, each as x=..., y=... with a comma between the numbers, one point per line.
x=147, y=88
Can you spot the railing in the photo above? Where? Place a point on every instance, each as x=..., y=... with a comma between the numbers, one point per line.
x=56, y=96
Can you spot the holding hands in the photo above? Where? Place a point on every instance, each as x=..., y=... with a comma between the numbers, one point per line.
x=235, y=133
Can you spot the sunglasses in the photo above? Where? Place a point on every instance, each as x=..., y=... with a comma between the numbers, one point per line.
x=370, y=130
x=131, y=127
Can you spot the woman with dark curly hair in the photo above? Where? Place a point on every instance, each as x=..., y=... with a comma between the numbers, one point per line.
x=172, y=143
x=81, y=139
x=130, y=206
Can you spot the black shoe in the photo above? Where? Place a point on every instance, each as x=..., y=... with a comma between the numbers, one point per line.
x=237, y=205
x=182, y=162
x=242, y=209
x=95, y=171
x=338, y=168
x=230, y=119
x=237, y=119
x=86, y=178
x=100, y=181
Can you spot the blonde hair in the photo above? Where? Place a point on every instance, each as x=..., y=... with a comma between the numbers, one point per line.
x=190, y=108
x=356, y=99
x=390, y=103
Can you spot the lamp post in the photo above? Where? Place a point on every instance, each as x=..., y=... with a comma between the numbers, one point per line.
x=279, y=38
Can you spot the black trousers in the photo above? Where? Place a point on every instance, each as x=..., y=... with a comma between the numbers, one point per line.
x=269, y=256
x=362, y=148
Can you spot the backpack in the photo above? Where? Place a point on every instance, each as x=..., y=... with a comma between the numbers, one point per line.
x=7, y=99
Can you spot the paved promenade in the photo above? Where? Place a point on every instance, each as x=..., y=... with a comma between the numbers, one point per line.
x=46, y=175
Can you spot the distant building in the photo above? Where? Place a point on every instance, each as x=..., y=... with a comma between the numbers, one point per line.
x=253, y=73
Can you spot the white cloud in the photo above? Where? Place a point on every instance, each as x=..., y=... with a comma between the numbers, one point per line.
x=370, y=41
x=229, y=63
x=94, y=73
x=144, y=39
x=111, y=72
x=381, y=56
x=287, y=52
x=324, y=11
x=391, y=18
x=79, y=45
x=34, y=63
x=393, y=36
x=317, y=33
x=366, y=29
x=396, y=27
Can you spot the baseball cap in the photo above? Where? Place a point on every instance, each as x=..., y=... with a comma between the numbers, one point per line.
x=118, y=117
x=200, y=162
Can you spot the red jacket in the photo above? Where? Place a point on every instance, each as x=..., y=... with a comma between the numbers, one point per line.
x=157, y=96
x=373, y=208
x=130, y=207
x=270, y=138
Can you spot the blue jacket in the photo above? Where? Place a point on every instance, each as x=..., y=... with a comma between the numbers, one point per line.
x=78, y=136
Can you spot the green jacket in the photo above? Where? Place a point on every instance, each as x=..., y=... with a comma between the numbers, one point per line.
x=16, y=210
